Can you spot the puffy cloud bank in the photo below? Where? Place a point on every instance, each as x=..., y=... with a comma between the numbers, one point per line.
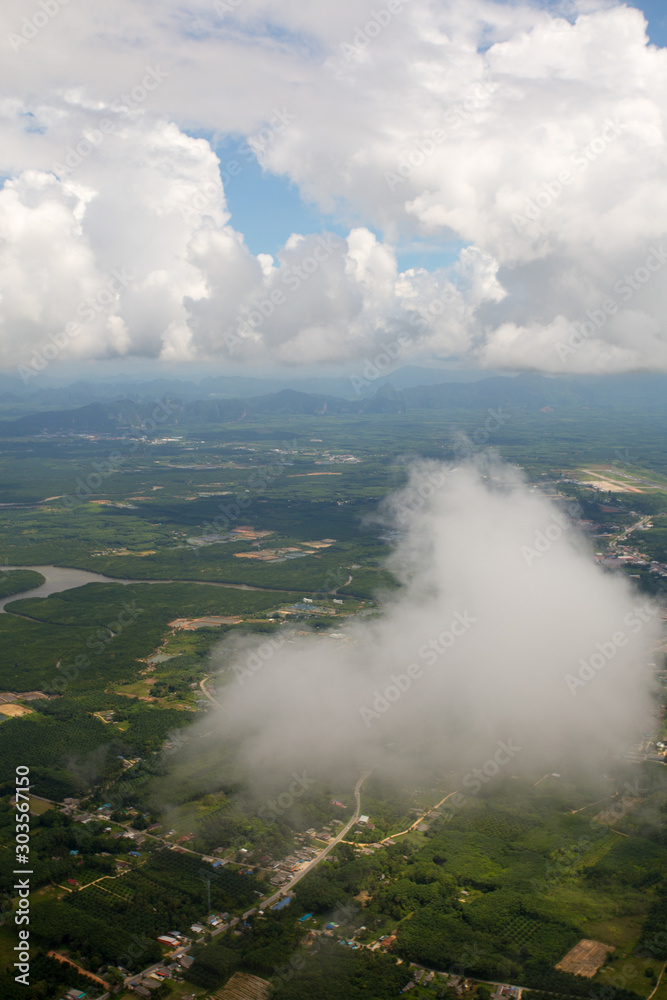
x=528, y=143
x=505, y=637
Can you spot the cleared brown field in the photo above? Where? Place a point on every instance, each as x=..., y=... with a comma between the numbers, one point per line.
x=608, y=817
x=15, y=711
x=209, y=621
x=585, y=958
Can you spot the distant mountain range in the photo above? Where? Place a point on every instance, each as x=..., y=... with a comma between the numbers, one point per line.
x=646, y=394
x=44, y=392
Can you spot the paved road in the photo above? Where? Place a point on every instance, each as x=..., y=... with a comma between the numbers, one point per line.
x=119, y=875
x=413, y=826
x=641, y=523
x=285, y=888
x=322, y=855
x=651, y=995
x=131, y=980
x=183, y=950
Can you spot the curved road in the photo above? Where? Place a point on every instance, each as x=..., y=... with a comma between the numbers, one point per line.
x=651, y=995
x=413, y=826
x=641, y=523
x=322, y=855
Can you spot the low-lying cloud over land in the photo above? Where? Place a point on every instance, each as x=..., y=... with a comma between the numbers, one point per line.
x=526, y=145
x=504, y=636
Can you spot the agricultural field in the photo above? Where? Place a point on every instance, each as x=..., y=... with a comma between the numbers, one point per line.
x=228, y=533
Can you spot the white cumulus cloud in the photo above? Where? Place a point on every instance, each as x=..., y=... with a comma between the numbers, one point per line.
x=530, y=139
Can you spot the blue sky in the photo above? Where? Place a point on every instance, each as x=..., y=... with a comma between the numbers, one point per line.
x=656, y=13
x=267, y=208
x=143, y=201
